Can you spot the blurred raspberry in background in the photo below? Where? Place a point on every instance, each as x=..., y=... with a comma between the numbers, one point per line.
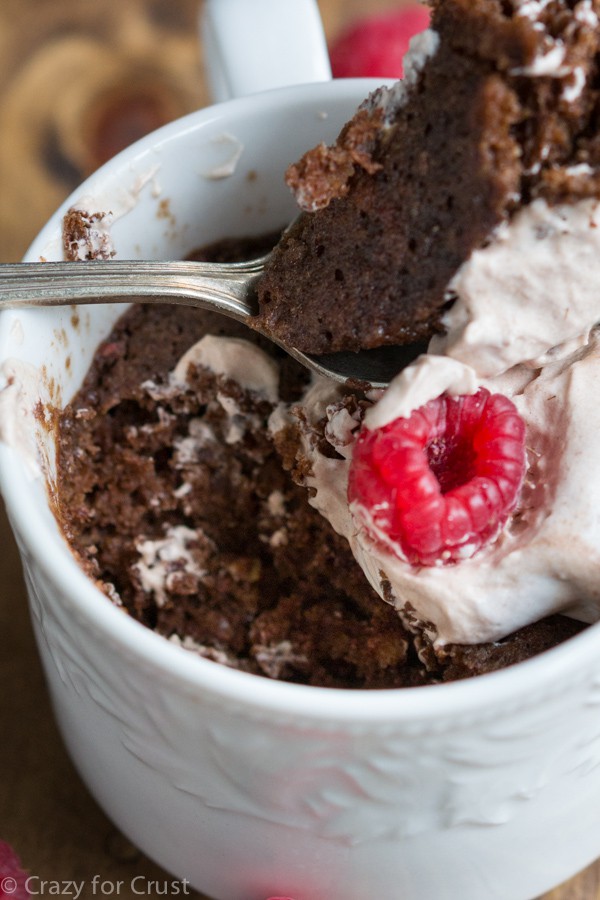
x=375, y=46
x=12, y=877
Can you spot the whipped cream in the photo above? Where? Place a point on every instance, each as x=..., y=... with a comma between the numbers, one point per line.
x=233, y=358
x=542, y=271
x=389, y=100
x=547, y=557
x=413, y=388
x=162, y=562
x=524, y=324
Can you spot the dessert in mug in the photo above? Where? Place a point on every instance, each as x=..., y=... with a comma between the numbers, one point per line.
x=352, y=537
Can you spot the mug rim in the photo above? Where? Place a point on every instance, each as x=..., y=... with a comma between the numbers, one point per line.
x=351, y=89
x=519, y=684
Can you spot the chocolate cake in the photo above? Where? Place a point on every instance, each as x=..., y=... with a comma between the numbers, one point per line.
x=499, y=107
x=189, y=512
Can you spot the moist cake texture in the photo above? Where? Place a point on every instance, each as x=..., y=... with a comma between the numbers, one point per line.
x=499, y=108
x=192, y=515
x=222, y=501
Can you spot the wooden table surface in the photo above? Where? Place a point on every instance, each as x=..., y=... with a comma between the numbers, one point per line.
x=79, y=80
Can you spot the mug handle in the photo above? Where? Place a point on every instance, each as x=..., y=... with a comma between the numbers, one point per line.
x=254, y=45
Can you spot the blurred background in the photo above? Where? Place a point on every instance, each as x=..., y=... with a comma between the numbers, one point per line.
x=81, y=80
x=78, y=82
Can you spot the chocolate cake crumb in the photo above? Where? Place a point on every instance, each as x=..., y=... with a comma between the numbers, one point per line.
x=209, y=542
x=483, y=128
x=85, y=236
x=181, y=506
x=457, y=661
x=324, y=173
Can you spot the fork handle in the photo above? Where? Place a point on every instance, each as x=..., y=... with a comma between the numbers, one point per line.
x=225, y=288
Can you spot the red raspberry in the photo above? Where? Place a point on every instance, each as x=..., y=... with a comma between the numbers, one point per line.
x=13, y=879
x=374, y=46
x=441, y=483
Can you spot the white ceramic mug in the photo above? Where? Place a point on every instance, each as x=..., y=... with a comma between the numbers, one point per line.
x=262, y=44
x=486, y=788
